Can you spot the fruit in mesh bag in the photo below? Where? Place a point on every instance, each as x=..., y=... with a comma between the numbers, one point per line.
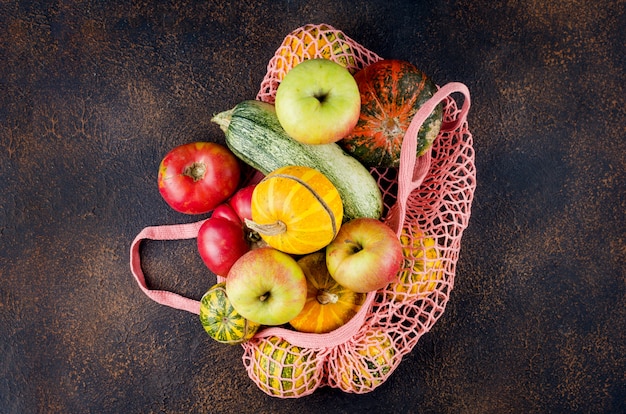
x=283, y=369
x=392, y=91
x=422, y=269
x=266, y=286
x=296, y=210
x=221, y=321
x=366, y=255
x=314, y=41
x=328, y=304
x=318, y=102
x=368, y=364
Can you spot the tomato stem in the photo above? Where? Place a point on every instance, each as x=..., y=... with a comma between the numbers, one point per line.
x=195, y=171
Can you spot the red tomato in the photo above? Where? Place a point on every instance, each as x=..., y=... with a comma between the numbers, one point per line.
x=194, y=178
x=241, y=202
x=226, y=212
x=224, y=237
x=220, y=243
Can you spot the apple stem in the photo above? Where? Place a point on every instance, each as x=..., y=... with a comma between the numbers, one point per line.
x=324, y=297
x=270, y=229
x=355, y=247
x=195, y=171
x=264, y=296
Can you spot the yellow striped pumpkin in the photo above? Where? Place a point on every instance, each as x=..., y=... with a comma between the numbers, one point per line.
x=366, y=368
x=296, y=209
x=422, y=269
x=221, y=321
x=328, y=304
x=283, y=369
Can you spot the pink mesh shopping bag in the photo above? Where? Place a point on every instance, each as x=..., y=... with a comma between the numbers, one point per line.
x=427, y=202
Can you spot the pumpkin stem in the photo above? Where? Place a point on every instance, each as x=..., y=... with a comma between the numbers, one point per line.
x=270, y=229
x=195, y=171
x=324, y=297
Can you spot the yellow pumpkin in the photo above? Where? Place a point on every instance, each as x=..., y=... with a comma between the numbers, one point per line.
x=422, y=269
x=368, y=366
x=296, y=210
x=282, y=369
x=312, y=41
x=328, y=304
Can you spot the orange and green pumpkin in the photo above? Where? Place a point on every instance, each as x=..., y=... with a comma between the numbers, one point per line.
x=392, y=91
x=221, y=321
x=296, y=210
x=328, y=304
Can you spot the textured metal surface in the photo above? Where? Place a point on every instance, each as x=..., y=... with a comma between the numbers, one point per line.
x=92, y=95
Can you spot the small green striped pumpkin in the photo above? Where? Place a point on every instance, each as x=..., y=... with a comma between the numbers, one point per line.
x=221, y=321
x=296, y=209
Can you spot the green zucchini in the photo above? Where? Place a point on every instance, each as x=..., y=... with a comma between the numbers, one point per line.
x=253, y=133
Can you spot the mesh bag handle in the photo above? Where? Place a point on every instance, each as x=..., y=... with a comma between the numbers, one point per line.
x=163, y=232
x=412, y=170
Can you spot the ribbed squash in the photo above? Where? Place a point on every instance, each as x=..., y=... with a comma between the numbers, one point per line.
x=422, y=268
x=392, y=91
x=282, y=369
x=367, y=366
x=221, y=321
x=311, y=41
x=328, y=304
x=296, y=210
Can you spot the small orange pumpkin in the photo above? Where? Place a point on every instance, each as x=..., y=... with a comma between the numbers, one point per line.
x=328, y=304
x=296, y=209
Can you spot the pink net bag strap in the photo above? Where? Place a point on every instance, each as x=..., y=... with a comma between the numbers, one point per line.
x=163, y=232
x=412, y=170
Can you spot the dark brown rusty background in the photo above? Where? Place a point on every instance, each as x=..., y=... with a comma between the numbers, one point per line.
x=93, y=94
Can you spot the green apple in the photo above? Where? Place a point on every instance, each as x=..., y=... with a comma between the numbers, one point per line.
x=318, y=102
x=266, y=286
x=365, y=255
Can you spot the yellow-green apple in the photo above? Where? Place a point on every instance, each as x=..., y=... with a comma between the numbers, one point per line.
x=366, y=255
x=318, y=102
x=266, y=286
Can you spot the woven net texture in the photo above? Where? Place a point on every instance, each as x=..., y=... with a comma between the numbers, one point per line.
x=362, y=354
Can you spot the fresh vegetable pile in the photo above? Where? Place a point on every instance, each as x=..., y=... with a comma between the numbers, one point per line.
x=316, y=255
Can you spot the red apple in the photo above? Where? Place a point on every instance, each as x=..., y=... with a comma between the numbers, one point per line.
x=267, y=286
x=366, y=255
